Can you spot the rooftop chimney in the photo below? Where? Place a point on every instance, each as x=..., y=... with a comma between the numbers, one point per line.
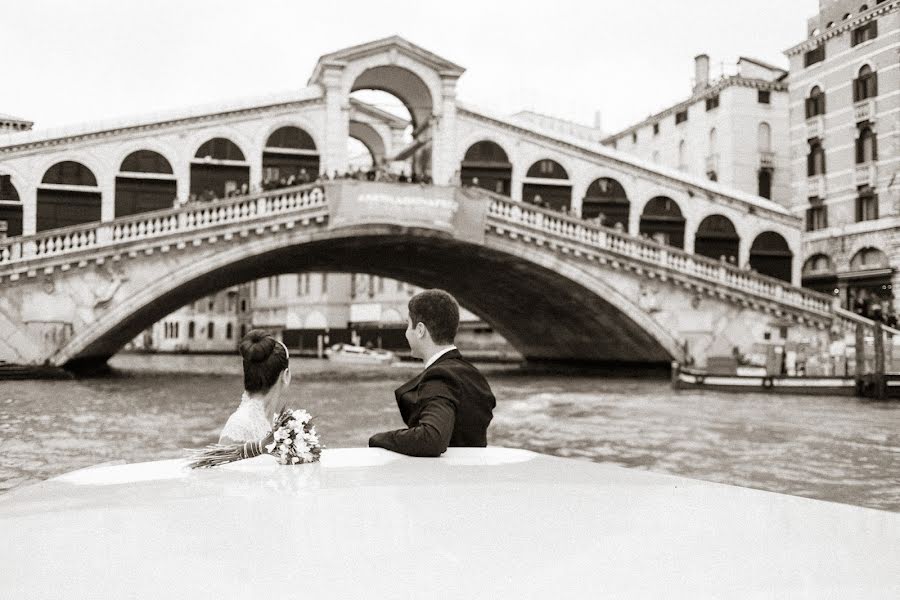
x=701, y=72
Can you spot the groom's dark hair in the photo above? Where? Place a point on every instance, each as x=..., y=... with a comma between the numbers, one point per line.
x=438, y=311
x=264, y=360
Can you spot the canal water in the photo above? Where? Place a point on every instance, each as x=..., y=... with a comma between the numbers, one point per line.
x=839, y=449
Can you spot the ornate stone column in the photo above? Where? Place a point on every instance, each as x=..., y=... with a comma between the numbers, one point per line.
x=28, y=198
x=444, y=161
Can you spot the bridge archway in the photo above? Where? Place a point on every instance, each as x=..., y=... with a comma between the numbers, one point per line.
x=606, y=199
x=486, y=165
x=10, y=208
x=717, y=238
x=547, y=184
x=662, y=220
x=547, y=307
x=219, y=167
x=414, y=94
x=770, y=255
x=145, y=182
x=290, y=151
x=68, y=195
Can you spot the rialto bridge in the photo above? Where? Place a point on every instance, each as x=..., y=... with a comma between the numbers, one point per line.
x=573, y=251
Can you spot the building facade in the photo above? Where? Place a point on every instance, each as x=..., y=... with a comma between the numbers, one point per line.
x=732, y=129
x=845, y=151
x=211, y=324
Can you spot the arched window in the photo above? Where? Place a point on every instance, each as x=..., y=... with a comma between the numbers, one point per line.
x=682, y=155
x=69, y=172
x=818, y=274
x=220, y=149
x=817, y=264
x=662, y=221
x=764, y=137
x=215, y=172
x=290, y=158
x=815, y=160
x=291, y=137
x=606, y=202
x=815, y=103
x=547, y=169
x=543, y=190
x=770, y=255
x=486, y=165
x=866, y=146
x=863, y=8
x=866, y=84
x=146, y=161
x=59, y=206
x=10, y=209
x=869, y=258
x=138, y=193
x=717, y=238
x=713, y=141
x=486, y=152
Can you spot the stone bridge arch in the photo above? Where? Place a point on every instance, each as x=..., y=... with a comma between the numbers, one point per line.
x=568, y=314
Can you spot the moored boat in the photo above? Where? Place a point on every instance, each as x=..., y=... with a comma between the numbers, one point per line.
x=348, y=353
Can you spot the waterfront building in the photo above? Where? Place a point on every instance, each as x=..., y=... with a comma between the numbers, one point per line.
x=210, y=324
x=733, y=129
x=845, y=150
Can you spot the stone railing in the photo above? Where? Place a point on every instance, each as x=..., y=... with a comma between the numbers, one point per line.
x=505, y=212
x=187, y=218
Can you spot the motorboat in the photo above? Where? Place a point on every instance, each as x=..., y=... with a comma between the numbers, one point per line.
x=476, y=522
x=348, y=353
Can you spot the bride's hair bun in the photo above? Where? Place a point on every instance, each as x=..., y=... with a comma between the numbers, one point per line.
x=264, y=360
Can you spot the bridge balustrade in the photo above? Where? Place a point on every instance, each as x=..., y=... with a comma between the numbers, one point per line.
x=616, y=242
x=191, y=217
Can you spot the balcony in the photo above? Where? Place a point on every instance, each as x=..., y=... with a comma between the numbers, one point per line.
x=864, y=110
x=865, y=174
x=712, y=163
x=815, y=127
x=816, y=186
x=766, y=160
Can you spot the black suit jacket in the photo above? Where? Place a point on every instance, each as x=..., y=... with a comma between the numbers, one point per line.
x=448, y=404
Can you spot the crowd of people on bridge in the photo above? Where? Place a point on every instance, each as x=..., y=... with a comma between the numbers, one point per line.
x=875, y=308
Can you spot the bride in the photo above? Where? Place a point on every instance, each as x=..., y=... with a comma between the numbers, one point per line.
x=266, y=376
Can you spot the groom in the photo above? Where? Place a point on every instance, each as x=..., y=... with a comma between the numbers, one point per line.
x=449, y=403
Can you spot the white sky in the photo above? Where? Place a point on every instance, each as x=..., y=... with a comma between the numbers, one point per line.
x=70, y=61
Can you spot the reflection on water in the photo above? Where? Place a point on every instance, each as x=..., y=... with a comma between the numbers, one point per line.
x=838, y=449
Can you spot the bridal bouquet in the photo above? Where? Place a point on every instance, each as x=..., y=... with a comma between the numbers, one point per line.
x=294, y=441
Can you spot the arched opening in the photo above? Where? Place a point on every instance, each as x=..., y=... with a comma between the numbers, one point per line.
x=869, y=289
x=401, y=92
x=770, y=255
x=865, y=86
x=145, y=182
x=547, y=184
x=815, y=103
x=486, y=165
x=764, y=137
x=607, y=202
x=866, y=148
x=682, y=155
x=219, y=169
x=290, y=157
x=365, y=147
x=10, y=209
x=818, y=274
x=718, y=239
x=662, y=221
x=68, y=195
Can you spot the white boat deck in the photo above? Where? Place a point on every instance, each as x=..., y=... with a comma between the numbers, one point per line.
x=483, y=523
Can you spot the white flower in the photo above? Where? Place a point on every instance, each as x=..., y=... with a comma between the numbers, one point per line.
x=270, y=447
x=302, y=416
x=295, y=460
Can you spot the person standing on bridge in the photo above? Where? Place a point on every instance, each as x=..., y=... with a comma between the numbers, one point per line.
x=450, y=402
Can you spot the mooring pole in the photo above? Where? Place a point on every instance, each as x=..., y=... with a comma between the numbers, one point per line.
x=860, y=351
